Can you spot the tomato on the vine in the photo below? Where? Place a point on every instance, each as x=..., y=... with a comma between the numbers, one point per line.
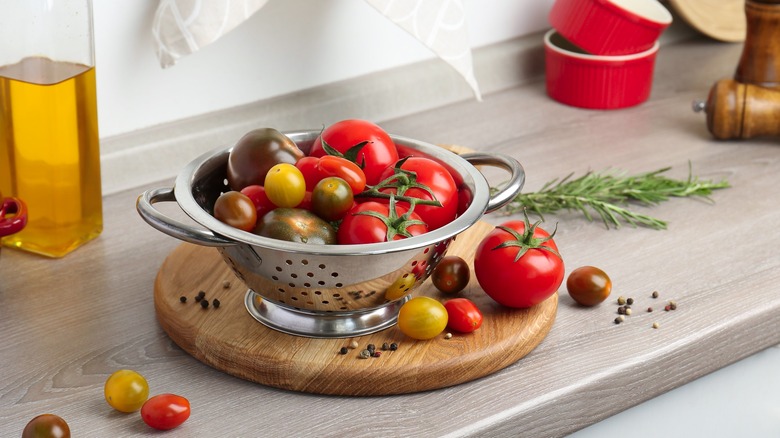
x=259, y=198
x=46, y=426
x=463, y=315
x=332, y=198
x=165, y=411
x=360, y=141
x=126, y=390
x=451, y=275
x=589, y=285
x=375, y=222
x=236, y=209
x=285, y=186
x=422, y=318
x=415, y=177
x=331, y=165
x=518, y=264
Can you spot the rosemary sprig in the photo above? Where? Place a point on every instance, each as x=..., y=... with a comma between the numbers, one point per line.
x=607, y=193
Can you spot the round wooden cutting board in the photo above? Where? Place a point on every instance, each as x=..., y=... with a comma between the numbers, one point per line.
x=229, y=339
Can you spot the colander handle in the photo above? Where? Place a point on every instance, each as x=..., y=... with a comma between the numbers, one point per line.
x=171, y=227
x=516, y=176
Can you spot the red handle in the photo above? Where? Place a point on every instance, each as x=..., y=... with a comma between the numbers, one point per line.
x=12, y=224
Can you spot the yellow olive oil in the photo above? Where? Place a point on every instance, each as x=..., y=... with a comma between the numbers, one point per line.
x=50, y=153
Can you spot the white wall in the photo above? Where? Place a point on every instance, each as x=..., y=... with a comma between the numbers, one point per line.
x=288, y=45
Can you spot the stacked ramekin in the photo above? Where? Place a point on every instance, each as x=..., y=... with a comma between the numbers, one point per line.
x=601, y=54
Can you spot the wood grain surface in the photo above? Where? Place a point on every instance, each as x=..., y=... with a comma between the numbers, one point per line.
x=229, y=339
x=67, y=324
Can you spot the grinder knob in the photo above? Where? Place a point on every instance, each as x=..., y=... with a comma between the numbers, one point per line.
x=741, y=111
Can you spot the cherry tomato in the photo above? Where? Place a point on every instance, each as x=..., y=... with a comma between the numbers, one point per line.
x=165, y=411
x=433, y=175
x=589, y=285
x=422, y=318
x=285, y=185
x=331, y=165
x=514, y=279
x=255, y=153
x=463, y=315
x=236, y=210
x=311, y=173
x=374, y=222
x=400, y=287
x=296, y=225
x=46, y=426
x=332, y=198
x=126, y=390
x=259, y=198
x=451, y=275
x=378, y=152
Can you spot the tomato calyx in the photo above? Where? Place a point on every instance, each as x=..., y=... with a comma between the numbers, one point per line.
x=396, y=225
x=526, y=241
x=401, y=180
x=350, y=154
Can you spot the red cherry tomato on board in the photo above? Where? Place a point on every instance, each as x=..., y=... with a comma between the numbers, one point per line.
x=378, y=153
x=463, y=315
x=165, y=411
x=527, y=281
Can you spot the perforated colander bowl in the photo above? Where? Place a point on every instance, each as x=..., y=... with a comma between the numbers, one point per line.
x=326, y=290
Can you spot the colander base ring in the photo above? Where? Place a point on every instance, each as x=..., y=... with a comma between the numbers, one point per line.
x=321, y=324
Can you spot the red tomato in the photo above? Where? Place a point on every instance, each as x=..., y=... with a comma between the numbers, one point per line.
x=518, y=264
x=378, y=152
x=259, y=198
x=165, y=411
x=310, y=170
x=374, y=222
x=331, y=165
x=463, y=315
x=433, y=175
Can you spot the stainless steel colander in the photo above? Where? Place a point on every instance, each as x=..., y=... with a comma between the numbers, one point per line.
x=326, y=290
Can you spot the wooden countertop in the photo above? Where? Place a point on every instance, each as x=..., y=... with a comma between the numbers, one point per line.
x=67, y=324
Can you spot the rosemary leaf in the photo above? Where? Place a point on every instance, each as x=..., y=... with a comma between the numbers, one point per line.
x=608, y=194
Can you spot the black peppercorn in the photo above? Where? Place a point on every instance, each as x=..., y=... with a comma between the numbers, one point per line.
x=204, y=304
x=385, y=346
x=629, y=301
x=344, y=350
x=183, y=299
x=371, y=347
x=215, y=302
x=393, y=346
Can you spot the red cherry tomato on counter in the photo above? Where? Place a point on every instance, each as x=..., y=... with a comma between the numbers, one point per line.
x=331, y=165
x=165, y=411
x=378, y=153
x=463, y=315
x=518, y=264
x=433, y=175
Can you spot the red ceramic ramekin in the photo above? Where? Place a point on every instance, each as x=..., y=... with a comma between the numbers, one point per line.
x=579, y=79
x=610, y=27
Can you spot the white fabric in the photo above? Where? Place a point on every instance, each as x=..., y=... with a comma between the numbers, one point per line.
x=182, y=27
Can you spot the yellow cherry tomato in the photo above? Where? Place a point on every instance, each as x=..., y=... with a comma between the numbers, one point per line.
x=422, y=318
x=285, y=185
x=126, y=390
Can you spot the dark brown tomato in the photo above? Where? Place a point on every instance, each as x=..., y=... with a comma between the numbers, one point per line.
x=451, y=275
x=295, y=225
x=255, y=153
x=46, y=426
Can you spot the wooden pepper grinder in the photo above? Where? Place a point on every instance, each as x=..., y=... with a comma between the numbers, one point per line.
x=741, y=111
x=749, y=105
x=760, y=61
